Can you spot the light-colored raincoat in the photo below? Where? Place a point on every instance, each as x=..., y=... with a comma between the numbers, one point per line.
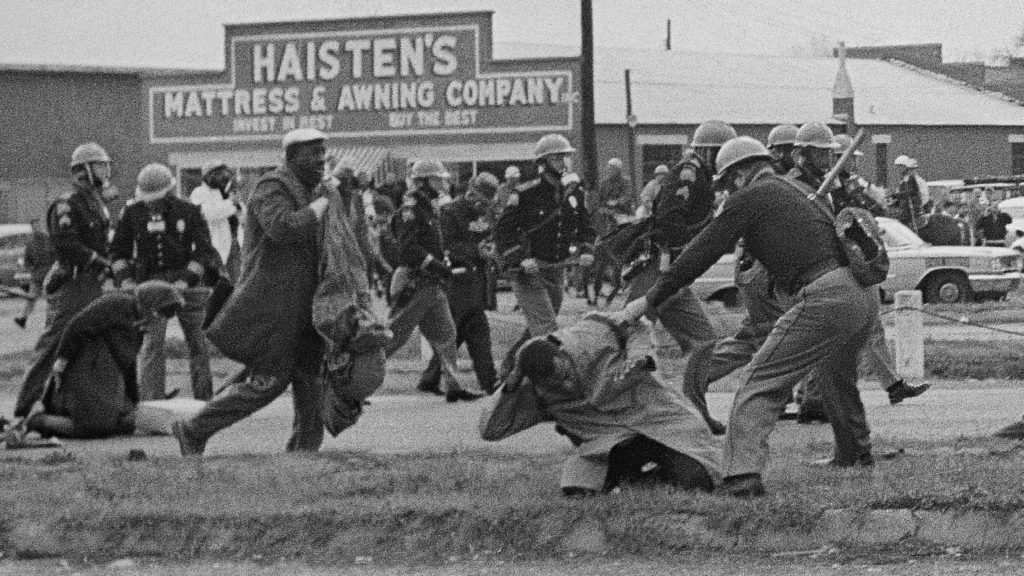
x=610, y=400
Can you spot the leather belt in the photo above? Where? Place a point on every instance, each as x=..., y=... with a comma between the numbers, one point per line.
x=813, y=273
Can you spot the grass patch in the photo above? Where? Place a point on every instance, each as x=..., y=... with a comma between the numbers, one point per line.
x=1008, y=312
x=428, y=507
x=977, y=359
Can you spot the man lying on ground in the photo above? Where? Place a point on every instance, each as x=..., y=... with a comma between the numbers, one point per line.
x=596, y=381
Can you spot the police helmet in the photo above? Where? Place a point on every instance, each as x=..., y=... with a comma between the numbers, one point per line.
x=782, y=134
x=739, y=150
x=552, y=144
x=155, y=181
x=486, y=183
x=428, y=168
x=843, y=143
x=815, y=135
x=88, y=152
x=712, y=134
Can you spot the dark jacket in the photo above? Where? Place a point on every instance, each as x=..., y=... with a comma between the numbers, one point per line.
x=266, y=324
x=463, y=231
x=38, y=256
x=164, y=240
x=417, y=230
x=78, y=224
x=526, y=228
x=684, y=205
x=943, y=230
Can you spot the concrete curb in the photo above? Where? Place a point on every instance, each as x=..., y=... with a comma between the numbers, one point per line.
x=441, y=535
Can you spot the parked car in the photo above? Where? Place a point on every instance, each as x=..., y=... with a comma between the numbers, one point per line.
x=13, y=239
x=942, y=273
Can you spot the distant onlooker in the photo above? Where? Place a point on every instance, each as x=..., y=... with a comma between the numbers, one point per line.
x=944, y=229
x=38, y=259
x=992, y=225
x=650, y=191
x=505, y=190
x=393, y=188
x=911, y=196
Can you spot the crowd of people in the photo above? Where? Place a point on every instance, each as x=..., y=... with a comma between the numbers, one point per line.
x=285, y=282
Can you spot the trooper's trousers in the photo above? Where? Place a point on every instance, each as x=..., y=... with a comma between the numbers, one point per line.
x=428, y=309
x=825, y=330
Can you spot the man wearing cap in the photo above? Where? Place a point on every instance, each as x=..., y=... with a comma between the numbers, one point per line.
x=93, y=390
x=545, y=222
x=221, y=210
x=908, y=199
x=466, y=231
x=596, y=380
x=78, y=223
x=159, y=236
x=417, y=287
x=824, y=330
x=267, y=323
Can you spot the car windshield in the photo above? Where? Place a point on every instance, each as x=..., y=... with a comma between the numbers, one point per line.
x=897, y=236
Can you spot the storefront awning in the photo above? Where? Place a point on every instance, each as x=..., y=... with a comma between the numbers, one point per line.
x=369, y=159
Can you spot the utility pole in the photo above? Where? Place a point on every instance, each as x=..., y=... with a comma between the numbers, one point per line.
x=668, y=34
x=631, y=121
x=588, y=138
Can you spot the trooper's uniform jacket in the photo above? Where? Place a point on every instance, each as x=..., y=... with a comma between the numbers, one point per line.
x=684, y=206
x=78, y=224
x=164, y=240
x=463, y=231
x=543, y=220
x=614, y=397
x=417, y=230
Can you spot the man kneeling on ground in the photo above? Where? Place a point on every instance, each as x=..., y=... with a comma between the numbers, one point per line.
x=596, y=381
x=92, y=391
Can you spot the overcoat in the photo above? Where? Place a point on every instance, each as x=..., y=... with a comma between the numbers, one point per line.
x=267, y=324
x=609, y=401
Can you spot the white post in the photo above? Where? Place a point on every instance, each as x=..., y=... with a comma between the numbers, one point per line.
x=909, y=337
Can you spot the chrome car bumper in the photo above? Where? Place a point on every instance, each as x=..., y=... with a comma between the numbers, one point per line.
x=995, y=282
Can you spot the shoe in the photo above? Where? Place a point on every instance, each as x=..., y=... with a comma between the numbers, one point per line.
x=21, y=321
x=1015, y=431
x=717, y=428
x=811, y=412
x=456, y=394
x=865, y=460
x=188, y=446
x=742, y=486
x=900, y=391
x=430, y=387
x=172, y=394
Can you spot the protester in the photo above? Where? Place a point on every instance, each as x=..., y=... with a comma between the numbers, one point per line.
x=991, y=226
x=826, y=328
x=417, y=287
x=93, y=386
x=909, y=197
x=159, y=236
x=613, y=206
x=78, y=223
x=466, y=231
x=505, y=191
x=267, y=322
x=596, y=381
x=38, y=259
x=944, y=229
x=222, y=211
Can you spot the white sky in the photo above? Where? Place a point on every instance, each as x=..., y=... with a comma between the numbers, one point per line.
x=189, y=33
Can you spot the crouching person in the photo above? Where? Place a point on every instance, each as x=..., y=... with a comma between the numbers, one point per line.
x=93, y=389
x=596, y=381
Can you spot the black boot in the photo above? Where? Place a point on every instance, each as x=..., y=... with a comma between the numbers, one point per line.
x=900, y=391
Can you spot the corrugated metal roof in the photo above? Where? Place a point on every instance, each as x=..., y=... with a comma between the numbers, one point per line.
x=688, y=88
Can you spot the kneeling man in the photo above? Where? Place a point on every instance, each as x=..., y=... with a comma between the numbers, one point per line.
x=596, y=381
x=93, y=389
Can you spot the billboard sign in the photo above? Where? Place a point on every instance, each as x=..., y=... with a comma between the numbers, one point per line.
x=365, y=79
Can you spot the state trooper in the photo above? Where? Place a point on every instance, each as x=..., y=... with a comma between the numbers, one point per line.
x=417, y=286
x=466, y=230
x=78, y=223
x=544, y=224
x=780, y=145
x=159, y=236
x=824, y=330
x=681, y=210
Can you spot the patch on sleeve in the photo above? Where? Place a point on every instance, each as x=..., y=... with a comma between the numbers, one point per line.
x=63, y=208
x=408, y=214
x=513, y=199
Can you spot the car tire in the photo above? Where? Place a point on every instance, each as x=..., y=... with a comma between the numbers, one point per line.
x=947, y=288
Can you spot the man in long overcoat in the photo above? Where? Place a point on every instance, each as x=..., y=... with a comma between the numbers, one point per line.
x=267, y=323
x=595, y=380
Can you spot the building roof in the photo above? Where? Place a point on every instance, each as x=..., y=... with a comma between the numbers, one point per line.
x=673, y=87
